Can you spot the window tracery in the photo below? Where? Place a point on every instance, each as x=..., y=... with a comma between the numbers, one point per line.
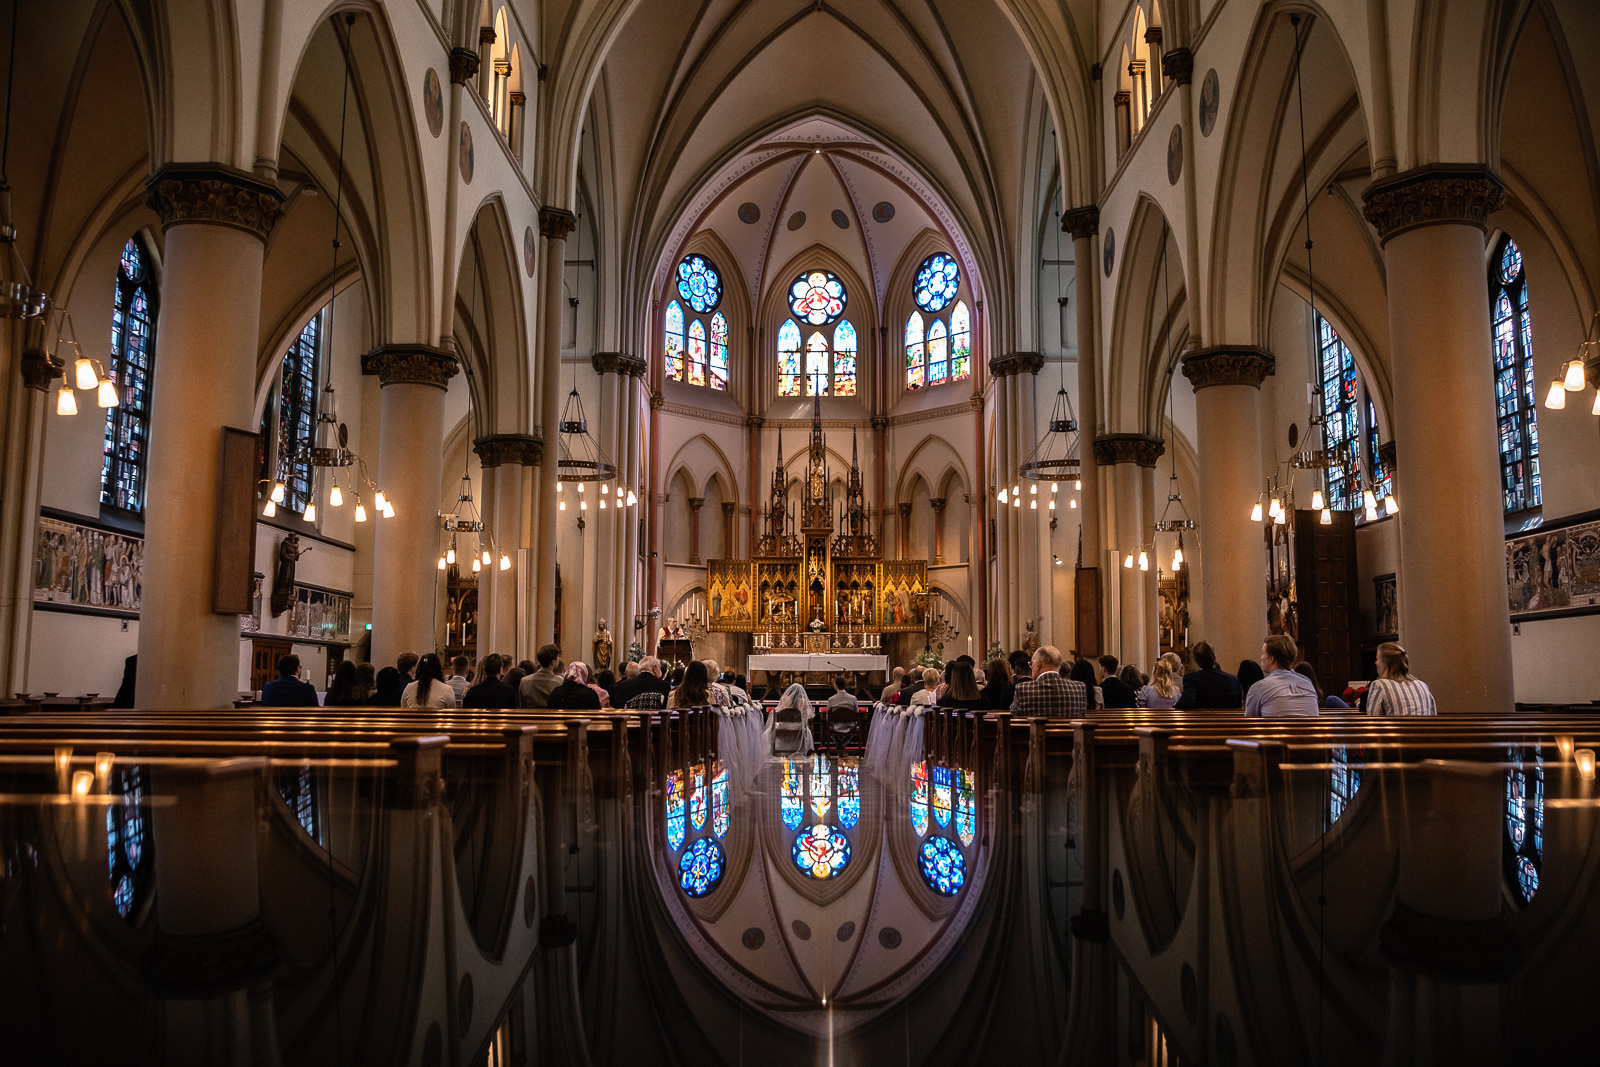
x=939, y=348
x=825, y=364
x=1512, y=327
x=127, y=433
x=695, y=342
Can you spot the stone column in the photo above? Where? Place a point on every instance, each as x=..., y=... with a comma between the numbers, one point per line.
x=503, y=457
x=410, y=469
x=937, y=504
x=21, y=475
x=695, y=504
x=1127, y=453
x=1452, y=532
x=730, y=546
x=216, y=221
x=1229, y=609
x=753, y=424
x=629, y=468
x=1019, y=589
x=554, y=226
x=615, y=370
x=1084, y=224
x=905, y=529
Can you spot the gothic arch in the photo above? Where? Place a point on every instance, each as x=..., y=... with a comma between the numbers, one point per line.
x=701, y=461
x=1134, y=360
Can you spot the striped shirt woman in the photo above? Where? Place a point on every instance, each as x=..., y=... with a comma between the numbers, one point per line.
x=1396, y=692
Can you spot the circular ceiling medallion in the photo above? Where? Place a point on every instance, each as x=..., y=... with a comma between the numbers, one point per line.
x=882, y=211
x=753, y=938
x=1175, y=155
x=889, y=937
x=801, y=930
x=433, y=101
x=797, y=220
x=749, y=213
x=840, y=219
x=1210, y=99
x=1110, y=244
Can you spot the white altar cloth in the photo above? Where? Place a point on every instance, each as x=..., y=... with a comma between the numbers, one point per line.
x=817, y=661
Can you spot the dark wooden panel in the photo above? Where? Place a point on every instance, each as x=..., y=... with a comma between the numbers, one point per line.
x=1086, y=611
x=234, y=561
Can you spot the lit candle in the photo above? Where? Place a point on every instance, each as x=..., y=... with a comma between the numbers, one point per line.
x=1585, y=761
x=1565, y=744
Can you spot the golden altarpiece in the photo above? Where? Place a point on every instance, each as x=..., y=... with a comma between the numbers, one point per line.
x=825, y=588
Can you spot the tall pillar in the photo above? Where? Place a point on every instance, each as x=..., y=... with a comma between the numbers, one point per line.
x=503, y=457
x=21, y=475
x=554, y=226
x=753, y=424
x=1432, y=222
x=216, y=221
x=695, y=504
x=1227, y=398
x=1084, y=224
x=937, y=503
x=1127, y=454
x=1014, y=375
x=405, y=549
x=616, y=371
x=905, y=529
x=730, y=546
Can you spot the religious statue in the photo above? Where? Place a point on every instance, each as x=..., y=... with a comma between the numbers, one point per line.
x=289, y=551
x=1030, y=639
x=602, y=647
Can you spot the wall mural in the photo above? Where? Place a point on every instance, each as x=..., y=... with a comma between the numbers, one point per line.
x=79, y=567
x=1554, y=571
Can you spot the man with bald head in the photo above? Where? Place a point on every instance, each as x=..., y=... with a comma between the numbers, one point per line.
x=1048, y=693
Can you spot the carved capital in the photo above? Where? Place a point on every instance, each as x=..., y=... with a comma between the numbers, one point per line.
x=556, y=223
x=696, y=503
x=1016, y=363
x=754, y=422
x=1128, y=448
x=1438, y=194
x=1178, y=64
x=213, y=194
x=1081, y=222
x=39, y=370
x=880, y=422
x=1227, y=366
x=617, y=363
x=905, y=510
x=411, y=365
x=498, y=449
x=975, y=403
x=937, y=504
x=656, y=401
x=463, y=65
x=1386, y=456
x=728, y=507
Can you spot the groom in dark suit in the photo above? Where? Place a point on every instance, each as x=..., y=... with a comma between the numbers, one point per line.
x=1048, y=693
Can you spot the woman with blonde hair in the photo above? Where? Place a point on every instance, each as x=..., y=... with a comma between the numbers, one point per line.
x=1396, y=691
x=1164, y=688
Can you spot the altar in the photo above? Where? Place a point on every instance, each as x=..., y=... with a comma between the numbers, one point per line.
x=818, y=662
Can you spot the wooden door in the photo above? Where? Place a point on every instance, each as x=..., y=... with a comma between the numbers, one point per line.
x=264, y=653
x=1325, y=584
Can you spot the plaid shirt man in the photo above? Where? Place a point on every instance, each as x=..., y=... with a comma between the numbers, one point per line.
x=1050, y=695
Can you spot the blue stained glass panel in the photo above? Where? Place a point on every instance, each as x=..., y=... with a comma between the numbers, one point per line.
x=699, y=283
x=821, y=851
x=791, y=803
x=719, y=351
x=937, y=281
x=700, y=868
x=915, y=353
x=675, y=816
x=821, y=782
x=697, y=353
x=941, y=794
x=719, y=800
x=674, y=341
x=966, y=807
x=849, y=794
x=697, y=796
x=1344, y=781
x=844, y=359
x=817, y=366
x=944, y=868
x=1524, y=820
x=1511, y=327
x=919, y=798
x=960, y=343
x=938, y=353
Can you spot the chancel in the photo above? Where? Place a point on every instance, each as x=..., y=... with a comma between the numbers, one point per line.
x=706, y=461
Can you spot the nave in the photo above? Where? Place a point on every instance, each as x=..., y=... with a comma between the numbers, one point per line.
x=377, y=886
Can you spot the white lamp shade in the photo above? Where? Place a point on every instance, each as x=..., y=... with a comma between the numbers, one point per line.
x=66, y=403
x=83, y=370
x=106, y=395
x=1574, y=377
x=1556, y=398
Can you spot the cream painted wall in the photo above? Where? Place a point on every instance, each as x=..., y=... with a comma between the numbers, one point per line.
x=77, y=654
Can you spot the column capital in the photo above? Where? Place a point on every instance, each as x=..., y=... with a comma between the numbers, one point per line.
x=880, y=422
x=728, y=507
x=754, y=422
x=617, y=363
x=1227, y=365
x=1128, y=448
x=1178, y=64
x=463, y=65
x=1438, y=193
x=411, y=365
x=905, y=509
x=696, y=503
x=214, y=194
x=498, y=449
x=39, y=370
x=556, y=223
x=1386, y=456
x=937, y=504
x=1016, y=363
x=657, y=401
x=1081, y=221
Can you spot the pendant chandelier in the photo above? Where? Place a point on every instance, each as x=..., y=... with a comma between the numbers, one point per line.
x=1280, y=488
x=580, y=459
x=328, y=455
x=1576, y=372
x=1054, y=458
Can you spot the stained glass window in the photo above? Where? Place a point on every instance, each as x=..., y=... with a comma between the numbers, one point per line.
x=788, y=359
x=700, y=867
x=699, y=284
x=817, y=297
x=697, y=796
x=675, y=811
x=791, y=802
x=299, y=794
x=674, y=349
x=849, y=793
x=966, y=807
x=938, y=353
x=1524, y=849
x=697, y=353
x=1382, y=483
x=821, y=851
x=719, y=351
x=937, y=281
x=1513, y=381
x=130, y=364
x=821, y=783
x=919, y=798
x=297, y=413
x=1340, y=412
x=127, y=841
x=915, y=357
x=719, y=799
x=1343, y=783
x=817, y=365
x=960, y=344
x=944, y=868
x=941, y=794
x=844, y=359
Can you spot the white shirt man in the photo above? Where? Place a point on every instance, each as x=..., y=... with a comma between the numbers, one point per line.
x=1283, y=692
